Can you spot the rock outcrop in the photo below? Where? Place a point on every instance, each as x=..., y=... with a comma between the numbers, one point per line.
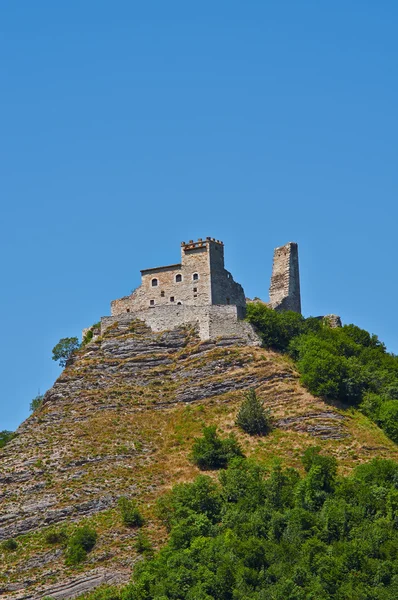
x=120, y=420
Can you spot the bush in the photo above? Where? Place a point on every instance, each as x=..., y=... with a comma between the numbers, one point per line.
x=252, y=417
x=212, y=452
x=143, y=545
x=53, y=537
x=79, y=544
x=276, y=329
x=131, y=516
x=36, y=403
x=6, y=436
x=9, y=545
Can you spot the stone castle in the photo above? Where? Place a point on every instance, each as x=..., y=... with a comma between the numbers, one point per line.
x=199, y=291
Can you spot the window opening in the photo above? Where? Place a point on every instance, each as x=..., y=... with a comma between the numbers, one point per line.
x=154, y=282
x=178, y=278
x=227, y=300
x=128, y=310
x=171, y=298
x=179, y=302
x=152, y=302
x=162, y=294
x=195, y=289
x=195, y=276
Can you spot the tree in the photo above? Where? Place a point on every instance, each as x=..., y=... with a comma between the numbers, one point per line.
x=5, y=436
x=36, y=403
x=252, y=417
x=64, y=350
x=213, y=452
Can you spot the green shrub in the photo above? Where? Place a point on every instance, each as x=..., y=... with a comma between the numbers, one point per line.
x=36, y=403
x=143, y=545
x=131, y=516
x=388, y=418
x=6, y=436
x=53, y=537
x=9, y=545
x=252, y=417
x=79, y=544
x=212, y=452
x=74, y=555
x=276, y=329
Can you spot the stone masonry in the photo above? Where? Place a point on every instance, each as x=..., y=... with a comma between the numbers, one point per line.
x=199, y=291
x=200, y=279
x=284, y=292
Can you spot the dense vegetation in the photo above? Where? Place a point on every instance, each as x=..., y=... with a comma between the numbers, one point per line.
x=344, y=363
x=276, y=536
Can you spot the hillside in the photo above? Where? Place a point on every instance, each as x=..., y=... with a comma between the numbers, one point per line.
x=120, y=420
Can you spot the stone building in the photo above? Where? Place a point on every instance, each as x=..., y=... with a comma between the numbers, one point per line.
x=200, y=279
x=199, y=291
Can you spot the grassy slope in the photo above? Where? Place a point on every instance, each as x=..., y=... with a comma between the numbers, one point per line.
x=133, y=436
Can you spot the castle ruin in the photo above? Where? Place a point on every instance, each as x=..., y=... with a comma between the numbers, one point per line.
x=284, y=293
x=201, y=292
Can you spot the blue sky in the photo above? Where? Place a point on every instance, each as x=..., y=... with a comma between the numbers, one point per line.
x=127, y=127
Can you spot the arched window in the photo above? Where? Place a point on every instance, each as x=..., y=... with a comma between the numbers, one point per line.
x=195, y=276
x=179, y=302
x=178, y=278
x=154, y=282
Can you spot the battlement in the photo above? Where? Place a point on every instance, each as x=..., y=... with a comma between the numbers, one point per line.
x=191, y=245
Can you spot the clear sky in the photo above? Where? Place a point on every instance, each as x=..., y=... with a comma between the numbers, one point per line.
x=127, y=127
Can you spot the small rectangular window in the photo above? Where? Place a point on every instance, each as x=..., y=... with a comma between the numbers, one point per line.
x=195, y=295
x=172, y=299
x=152, y=302
x=162, y=294
x=195, y=289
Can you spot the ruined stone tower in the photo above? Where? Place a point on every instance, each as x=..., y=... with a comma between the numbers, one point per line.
x=284, y=292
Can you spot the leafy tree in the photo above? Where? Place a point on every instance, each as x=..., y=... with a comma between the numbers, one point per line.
x=213, y=452
x=252, y=417
x=5, y=436
x=36, y=403
x=276, y=329
x=64, y=350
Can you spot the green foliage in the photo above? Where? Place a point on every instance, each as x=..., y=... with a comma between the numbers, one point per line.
x=64, y=350
x=252, y=417
x=143, y=545
x=36, y=403
x=276, y=329
x=343, y=363
x=213, y=452
x=6, y=436
x=79, y=544
x=130, y=514
x=53, y=537
x=276, y=536
x=9, y=545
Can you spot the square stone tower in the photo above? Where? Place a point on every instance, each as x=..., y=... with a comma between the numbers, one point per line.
x=284, y=292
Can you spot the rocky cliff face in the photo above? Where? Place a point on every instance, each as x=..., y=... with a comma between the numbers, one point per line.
x=120, y=420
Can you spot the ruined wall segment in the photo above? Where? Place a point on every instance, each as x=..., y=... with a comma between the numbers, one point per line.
x=284, y=292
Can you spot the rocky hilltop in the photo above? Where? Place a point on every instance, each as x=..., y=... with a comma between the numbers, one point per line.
x=120, y=420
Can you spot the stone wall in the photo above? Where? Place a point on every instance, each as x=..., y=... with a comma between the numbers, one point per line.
x=285, y=281
x=212, y=321
x=199, y=280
